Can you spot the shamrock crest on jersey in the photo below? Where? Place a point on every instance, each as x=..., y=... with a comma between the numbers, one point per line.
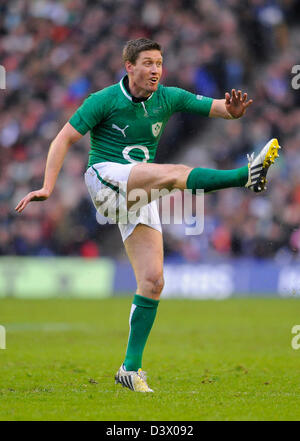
x=156, y=128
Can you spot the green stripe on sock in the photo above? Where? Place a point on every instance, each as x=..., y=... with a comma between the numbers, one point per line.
x=209, y=179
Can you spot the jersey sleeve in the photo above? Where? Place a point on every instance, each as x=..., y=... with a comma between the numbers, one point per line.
x=183, y=101
x=89, y=114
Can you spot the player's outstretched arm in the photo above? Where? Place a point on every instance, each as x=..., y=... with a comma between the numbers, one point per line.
x=56, y=155
x=232, y=107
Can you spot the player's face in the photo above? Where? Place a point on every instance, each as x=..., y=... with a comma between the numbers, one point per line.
x=146, y=72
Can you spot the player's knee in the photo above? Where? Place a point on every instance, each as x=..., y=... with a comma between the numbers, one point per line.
x=153, y=284
x=178, y=175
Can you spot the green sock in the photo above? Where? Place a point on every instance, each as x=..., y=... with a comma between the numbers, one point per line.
x=208, y=179
x=142, y=315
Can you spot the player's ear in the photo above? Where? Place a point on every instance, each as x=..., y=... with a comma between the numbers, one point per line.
x=128, y=67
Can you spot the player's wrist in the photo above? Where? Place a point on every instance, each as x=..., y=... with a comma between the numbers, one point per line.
x=46, y=191
x=230, y=116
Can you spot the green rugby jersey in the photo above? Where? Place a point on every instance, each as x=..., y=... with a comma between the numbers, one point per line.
x=125, y=131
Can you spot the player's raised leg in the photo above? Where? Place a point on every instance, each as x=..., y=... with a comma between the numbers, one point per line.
x=145, y=251
x=170, y=176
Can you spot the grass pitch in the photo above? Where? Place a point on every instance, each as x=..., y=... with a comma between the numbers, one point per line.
x=206, y=360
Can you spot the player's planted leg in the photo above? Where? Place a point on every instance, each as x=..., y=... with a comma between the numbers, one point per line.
x=142, y=316
x=145, y=252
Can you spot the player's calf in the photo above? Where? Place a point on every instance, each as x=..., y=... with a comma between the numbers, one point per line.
x=252, y=176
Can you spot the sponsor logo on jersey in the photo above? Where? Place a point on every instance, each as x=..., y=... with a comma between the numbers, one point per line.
x=114, y=126
x=199, y=97
x=156, y=128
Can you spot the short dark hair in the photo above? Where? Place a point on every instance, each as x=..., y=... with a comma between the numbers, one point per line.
x=133, y=48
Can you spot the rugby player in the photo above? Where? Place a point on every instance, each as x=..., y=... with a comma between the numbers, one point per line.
x=125, y=122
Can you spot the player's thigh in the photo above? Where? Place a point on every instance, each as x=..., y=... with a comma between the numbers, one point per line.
x=144, y=248
x=156, y=176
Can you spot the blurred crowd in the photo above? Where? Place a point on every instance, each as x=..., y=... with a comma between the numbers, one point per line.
x=57, y=52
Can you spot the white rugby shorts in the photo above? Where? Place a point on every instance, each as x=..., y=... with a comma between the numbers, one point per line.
x=107, y=186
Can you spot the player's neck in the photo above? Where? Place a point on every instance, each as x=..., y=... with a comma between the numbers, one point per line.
x=137, y=92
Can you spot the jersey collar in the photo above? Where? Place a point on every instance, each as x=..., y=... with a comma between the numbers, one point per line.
x=128, y=96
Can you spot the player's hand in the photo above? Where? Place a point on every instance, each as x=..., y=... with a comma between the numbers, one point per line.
x=37, y=195
x=236, y=103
